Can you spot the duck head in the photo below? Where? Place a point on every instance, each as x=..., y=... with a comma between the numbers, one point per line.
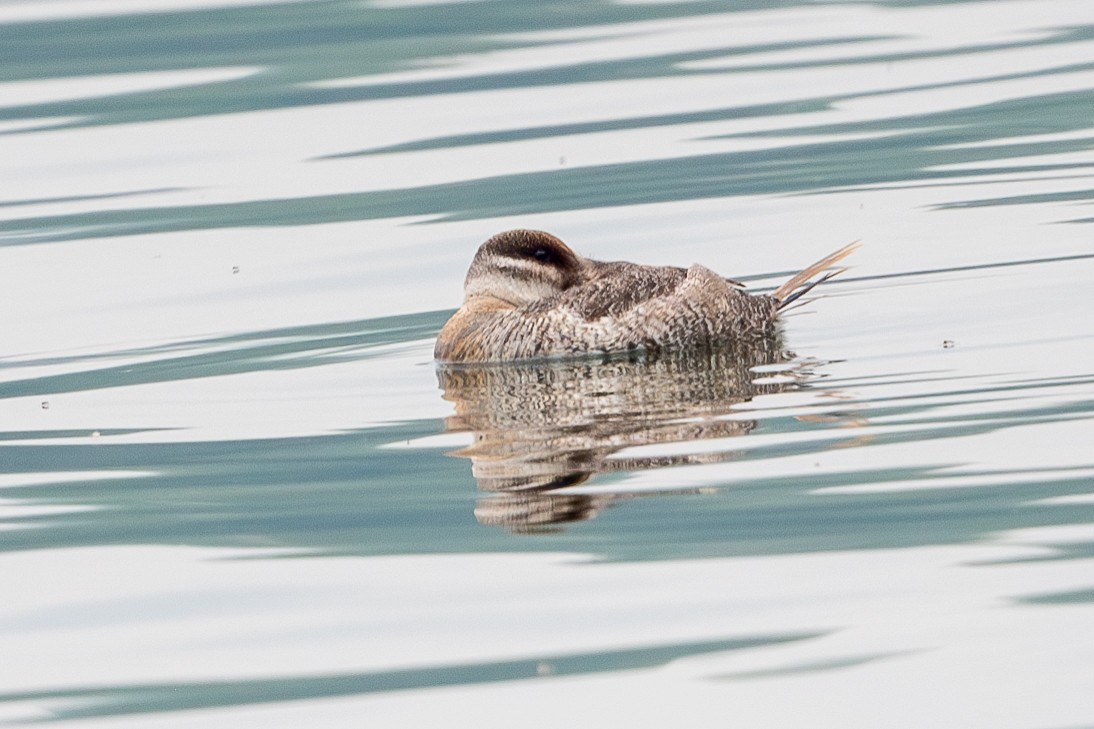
x=519, y=267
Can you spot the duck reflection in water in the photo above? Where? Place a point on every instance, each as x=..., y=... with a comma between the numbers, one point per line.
x=684, y=342
x=544, y=426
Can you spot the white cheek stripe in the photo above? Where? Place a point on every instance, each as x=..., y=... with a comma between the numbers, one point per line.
x=516, y=290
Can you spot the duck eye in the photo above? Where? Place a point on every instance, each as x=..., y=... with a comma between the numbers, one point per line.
x=542, y=254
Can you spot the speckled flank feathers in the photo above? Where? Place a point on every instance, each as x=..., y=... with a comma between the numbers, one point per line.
x=527, y=295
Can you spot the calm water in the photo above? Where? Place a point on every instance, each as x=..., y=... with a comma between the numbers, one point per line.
x=235, y=491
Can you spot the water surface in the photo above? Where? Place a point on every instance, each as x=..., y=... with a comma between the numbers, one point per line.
x=235, y=489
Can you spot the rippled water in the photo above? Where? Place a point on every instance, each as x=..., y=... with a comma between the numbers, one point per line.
x=235, y=490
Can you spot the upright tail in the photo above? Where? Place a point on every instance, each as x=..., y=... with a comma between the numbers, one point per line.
x=801, y=284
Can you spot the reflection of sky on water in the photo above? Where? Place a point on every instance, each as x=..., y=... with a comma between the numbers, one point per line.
x=753, y=122
x=229, y=231
x=718, y=635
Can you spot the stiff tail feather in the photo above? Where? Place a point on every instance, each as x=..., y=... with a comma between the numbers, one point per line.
x=802, y=283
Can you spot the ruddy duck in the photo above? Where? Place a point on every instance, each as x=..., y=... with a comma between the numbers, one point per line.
x=527, y=296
